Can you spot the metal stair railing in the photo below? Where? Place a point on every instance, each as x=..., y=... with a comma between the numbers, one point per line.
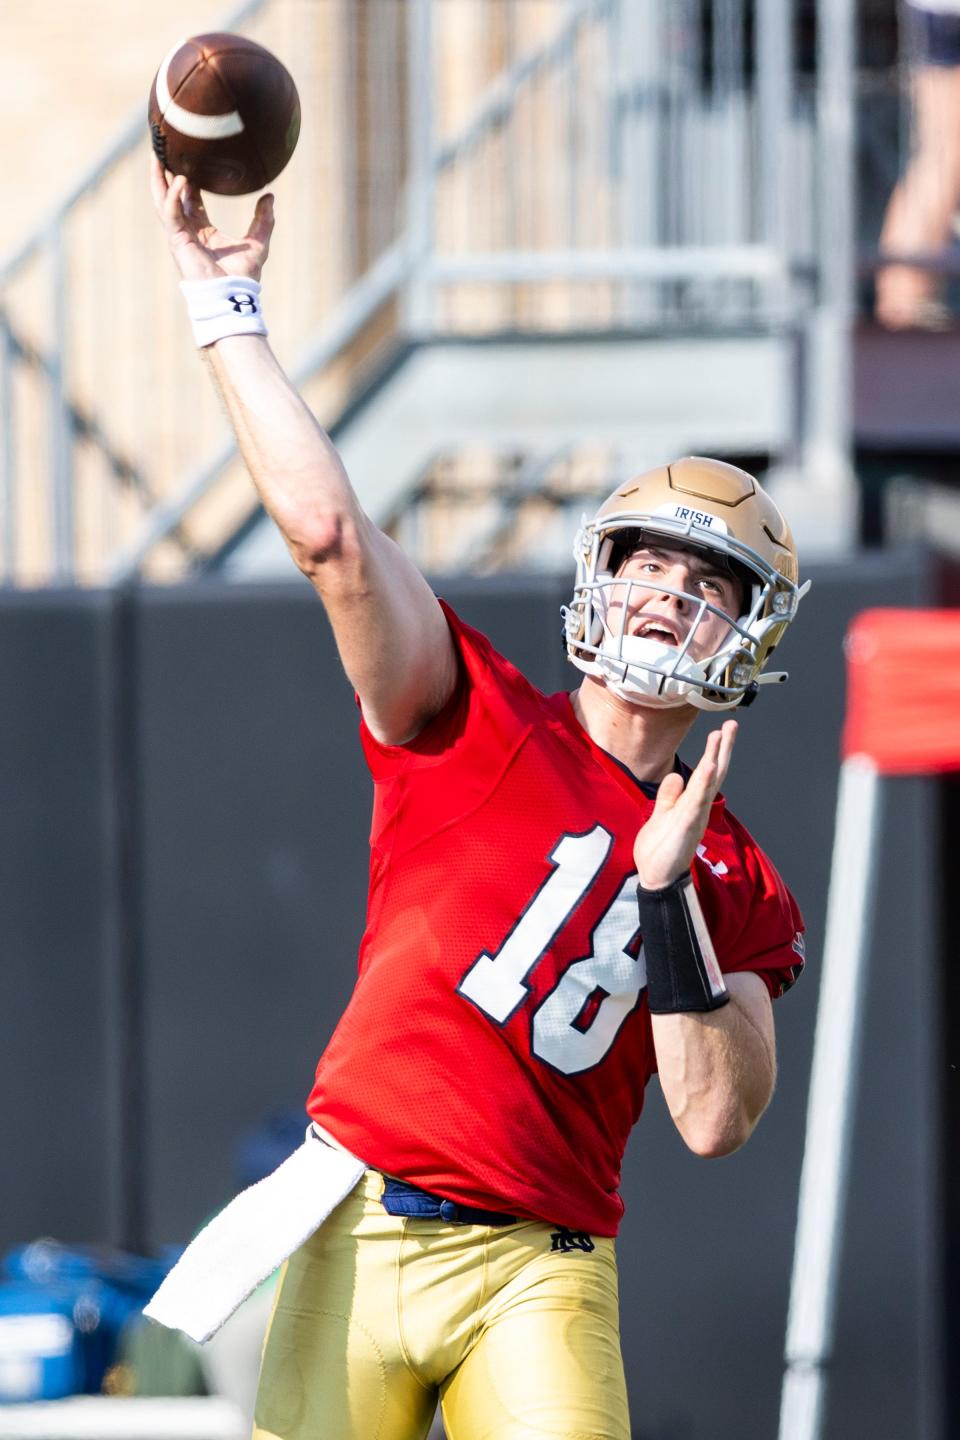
x=661, y=227
x=384, y=279
x=119, y=407
x=764, y=262
x=603, y=174
x=65, y=419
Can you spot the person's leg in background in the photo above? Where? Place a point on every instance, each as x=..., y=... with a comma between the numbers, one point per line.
x=920, y=214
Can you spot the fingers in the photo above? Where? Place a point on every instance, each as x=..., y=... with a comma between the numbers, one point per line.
x=158, y=183
x=171, y=208
x=183, y=219
x=179, y=206
x=714, y=763
x=668, y=792
x=728, y=738
x=665, y=845
x=199, y=249
x=261, y=226
x=194, y=206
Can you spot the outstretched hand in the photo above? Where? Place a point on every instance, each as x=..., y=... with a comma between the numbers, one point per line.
x=200, y=250
x=666, y=844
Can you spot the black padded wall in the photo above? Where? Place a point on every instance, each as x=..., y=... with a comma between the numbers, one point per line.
x=233, y=886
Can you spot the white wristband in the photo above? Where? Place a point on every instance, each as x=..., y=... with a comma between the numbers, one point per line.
x=225, y=305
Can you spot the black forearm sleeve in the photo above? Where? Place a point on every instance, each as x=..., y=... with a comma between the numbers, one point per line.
x=682, y=969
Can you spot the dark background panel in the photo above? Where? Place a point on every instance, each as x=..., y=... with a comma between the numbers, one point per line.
x=54, y=887
x=249, y=809
x=253, y=833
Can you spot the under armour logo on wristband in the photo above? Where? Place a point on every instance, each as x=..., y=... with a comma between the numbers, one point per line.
x=567, y=1240
x=243, y=303
x=223, y=305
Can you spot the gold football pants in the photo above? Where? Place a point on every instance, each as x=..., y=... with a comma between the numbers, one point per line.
x=515, y=1328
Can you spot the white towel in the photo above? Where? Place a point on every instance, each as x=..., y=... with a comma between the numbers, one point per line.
x=249, y=1238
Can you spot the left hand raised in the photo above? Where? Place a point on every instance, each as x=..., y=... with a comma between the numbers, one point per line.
x=666, y=844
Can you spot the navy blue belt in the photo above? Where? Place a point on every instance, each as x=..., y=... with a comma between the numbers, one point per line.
x=399, y=1198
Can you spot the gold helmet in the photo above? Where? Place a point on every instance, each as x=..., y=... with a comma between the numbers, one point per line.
x=692, y=504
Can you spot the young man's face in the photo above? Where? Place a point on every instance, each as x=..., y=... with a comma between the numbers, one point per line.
x=654, y=612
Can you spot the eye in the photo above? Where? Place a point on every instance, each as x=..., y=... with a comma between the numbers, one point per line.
x=637, y=565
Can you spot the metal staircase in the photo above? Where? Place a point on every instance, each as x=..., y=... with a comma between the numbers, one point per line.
x=537, y=231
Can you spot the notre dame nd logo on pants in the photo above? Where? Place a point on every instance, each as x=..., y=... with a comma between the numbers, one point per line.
x=516, y=1329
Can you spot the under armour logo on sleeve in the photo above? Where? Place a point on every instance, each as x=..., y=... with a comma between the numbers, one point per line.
x=719, y=869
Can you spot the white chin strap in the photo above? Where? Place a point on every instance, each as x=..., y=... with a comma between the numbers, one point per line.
x=645, y=672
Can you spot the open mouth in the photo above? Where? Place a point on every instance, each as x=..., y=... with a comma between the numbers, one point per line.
x=659, y=630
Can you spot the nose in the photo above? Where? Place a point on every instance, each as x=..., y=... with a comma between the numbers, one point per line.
x=678, y=579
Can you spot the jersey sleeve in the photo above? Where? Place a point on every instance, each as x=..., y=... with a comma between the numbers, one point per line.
x=458, y=758
x=771, y=942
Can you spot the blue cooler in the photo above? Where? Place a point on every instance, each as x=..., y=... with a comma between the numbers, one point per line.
x=61, y=1314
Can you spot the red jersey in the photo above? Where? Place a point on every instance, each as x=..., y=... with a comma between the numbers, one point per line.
x=498, y=1042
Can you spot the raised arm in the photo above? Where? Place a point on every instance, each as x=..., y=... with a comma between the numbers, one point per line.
x=392, y=636
x=716, y=1062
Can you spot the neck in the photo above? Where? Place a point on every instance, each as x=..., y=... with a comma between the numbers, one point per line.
x=642, y=737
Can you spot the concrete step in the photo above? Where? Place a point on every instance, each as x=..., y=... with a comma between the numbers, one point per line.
x=648, y=399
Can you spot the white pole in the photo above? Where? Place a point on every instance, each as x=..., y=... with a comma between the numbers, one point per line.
x=829, y=483
x=421, y=178
x=823, y=1181
x=61, y=421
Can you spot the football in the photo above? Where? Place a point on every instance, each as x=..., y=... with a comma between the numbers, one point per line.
x=224, y=112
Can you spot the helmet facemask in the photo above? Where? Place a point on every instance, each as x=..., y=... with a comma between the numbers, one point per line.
x=652, y=673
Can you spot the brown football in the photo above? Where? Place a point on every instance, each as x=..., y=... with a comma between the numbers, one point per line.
x=224, y=112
